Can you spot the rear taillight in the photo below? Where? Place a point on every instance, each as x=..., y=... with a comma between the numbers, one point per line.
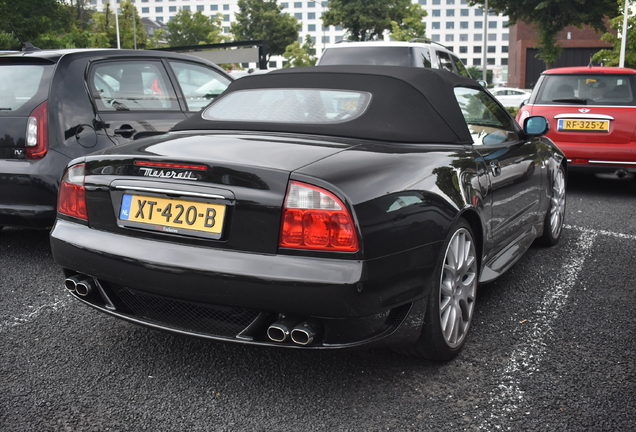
x=316, y=219
x=37, y=136
x=72, y=196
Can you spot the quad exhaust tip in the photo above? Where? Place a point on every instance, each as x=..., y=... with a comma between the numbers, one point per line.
x=300, y=332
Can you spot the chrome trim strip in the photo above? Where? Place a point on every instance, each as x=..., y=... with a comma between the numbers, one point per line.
x=612, y=162
x=584, y=116
x=170, y=191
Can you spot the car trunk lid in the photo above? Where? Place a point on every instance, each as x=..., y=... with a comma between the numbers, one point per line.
x=214, y=189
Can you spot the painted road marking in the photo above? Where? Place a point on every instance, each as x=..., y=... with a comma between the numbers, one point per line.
x=508, y=398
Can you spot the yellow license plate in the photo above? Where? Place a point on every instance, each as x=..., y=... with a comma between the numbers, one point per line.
x=583, y=125
x=172, y=215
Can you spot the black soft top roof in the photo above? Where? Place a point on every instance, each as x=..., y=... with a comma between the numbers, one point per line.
x=408, y=104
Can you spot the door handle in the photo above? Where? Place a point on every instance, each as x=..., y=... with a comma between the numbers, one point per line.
x=495, y=167
x=125, y=131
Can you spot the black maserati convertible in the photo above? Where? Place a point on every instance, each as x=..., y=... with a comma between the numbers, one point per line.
x=318, y=208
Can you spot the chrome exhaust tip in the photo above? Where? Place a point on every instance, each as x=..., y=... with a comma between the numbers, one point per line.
x=281, y=329
x=71, y=283
x=305, y=333
x=84, y=287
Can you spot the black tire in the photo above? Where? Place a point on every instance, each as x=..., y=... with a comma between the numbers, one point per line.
x=451, y=303
x=554, y=217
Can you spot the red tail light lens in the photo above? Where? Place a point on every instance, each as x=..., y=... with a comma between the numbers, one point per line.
x=316, y=219
x=72, y=196
x=37, y=136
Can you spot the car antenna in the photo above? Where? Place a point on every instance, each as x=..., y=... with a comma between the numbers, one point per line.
x=26, y=46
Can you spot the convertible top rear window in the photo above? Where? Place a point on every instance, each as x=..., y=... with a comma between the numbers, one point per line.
x=309, y=106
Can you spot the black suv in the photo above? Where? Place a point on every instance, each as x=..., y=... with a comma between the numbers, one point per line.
x=56, y=105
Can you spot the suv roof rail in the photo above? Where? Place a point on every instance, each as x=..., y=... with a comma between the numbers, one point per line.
x=427, y=41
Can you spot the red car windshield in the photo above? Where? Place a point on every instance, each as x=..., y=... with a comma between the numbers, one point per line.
x=588, y=89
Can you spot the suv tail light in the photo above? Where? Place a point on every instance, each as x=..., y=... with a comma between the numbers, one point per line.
x=37, y=136
x=316, y=219
x=72, y=196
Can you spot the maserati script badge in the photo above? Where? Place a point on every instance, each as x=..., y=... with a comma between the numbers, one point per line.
x=184, y=175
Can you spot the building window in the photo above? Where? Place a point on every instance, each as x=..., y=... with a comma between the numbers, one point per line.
x=476, y=50
x=339, y=38
x=326, y=39
x=450, y=12
x=436, y=12
x=450, y=38
x=504, y=49
x=504, y=24
x=450, y=2
x=339, y=27
x=490, y=61
x=463, y=12
x=504, y=62
x=450, y=25
x=435, y=25
x=463, y=60
x=200, y=8
x=436, y=2
x=479, y=12
x=299, y=15
x=463, y=49
x=435, y=38
x=492, y=13
x=463, y=37
x=145, y=10
x=272, y=64
x=285, y=5
x=298, y=5
x=423, y=2
x=311, y=15
x=311, y=27
x=311, y=4
x=505, y=36
x=159, y=18
x=476, y=62
x=186, y=8
x=477, y=37
x=492, y=24
x=159, y=9
x=214, y=7
x=226, y=30
x=492, y=49
x=479, y=24
x=226, y=18
x=172, y=9
x=463, y=24
x=492, y=36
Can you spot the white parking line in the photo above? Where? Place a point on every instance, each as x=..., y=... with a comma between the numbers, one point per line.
x=508, y=398
x=25, y=318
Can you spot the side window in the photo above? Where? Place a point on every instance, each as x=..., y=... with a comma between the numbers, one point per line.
x=461, y=69
x=489, y=124
x=444, y=61
x=423, y=57
x=200, y=85
x=132, y=86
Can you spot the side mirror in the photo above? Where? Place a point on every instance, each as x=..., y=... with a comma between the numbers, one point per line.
x=483, y=83
x=525, y=102
x=536, y=125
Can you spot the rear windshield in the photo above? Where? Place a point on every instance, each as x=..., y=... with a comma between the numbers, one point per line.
x=588, y=89
x=307, y=106
x=23, y=87
x=387, y=56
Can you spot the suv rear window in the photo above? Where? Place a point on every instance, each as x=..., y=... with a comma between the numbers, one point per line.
x=23, y=87
x=588, y=89
x=387, y=56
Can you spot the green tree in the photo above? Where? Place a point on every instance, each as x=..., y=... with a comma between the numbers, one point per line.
x=611, y=57
x=264, y=20
x=188, y=28
x=301, y=55
x=411, y=26
x=549, y=17
x=103, y=32
x=477, y=73
x=131, y=31
x=366, y=19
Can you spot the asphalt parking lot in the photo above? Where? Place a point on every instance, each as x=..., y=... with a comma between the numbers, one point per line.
x=552, y=348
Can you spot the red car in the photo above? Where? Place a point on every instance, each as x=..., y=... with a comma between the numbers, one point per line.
x=592, y=115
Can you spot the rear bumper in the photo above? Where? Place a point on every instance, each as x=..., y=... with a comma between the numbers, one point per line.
x=600, y=157
x=355, y=302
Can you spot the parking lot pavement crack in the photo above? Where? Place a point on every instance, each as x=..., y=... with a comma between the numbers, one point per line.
x=507, y=400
